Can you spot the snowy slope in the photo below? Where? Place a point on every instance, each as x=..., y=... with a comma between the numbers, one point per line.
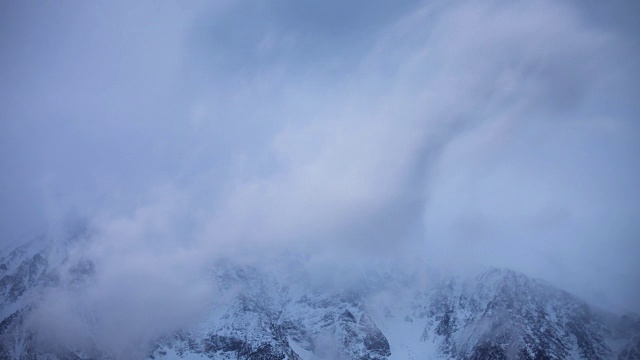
x=382, y=313
x=498, y=314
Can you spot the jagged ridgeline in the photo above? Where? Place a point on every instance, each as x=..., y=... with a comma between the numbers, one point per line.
x=388, y=313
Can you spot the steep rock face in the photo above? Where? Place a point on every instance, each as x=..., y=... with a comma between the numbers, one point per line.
x=384, y=314
x=629, y=332
x=25, y=274
x=505, y=315
x=24, y=270
x=336, y=326
x=266, y=319
x=499, y=314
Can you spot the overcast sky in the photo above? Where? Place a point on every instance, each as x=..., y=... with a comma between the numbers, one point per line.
x=502, y=133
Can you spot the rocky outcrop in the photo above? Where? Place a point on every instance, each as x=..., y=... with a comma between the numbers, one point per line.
x=497, y=314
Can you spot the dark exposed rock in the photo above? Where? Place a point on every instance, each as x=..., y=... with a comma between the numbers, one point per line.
x=500, y=314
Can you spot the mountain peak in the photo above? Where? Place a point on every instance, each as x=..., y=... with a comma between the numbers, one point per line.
x=382, y=313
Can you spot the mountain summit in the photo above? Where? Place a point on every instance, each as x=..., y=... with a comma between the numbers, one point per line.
x=384, y=313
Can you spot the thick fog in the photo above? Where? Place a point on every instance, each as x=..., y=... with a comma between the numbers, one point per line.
x=500, y=133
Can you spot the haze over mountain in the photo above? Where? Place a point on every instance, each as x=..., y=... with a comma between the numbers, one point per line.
x=178, y=135
x=52, y=308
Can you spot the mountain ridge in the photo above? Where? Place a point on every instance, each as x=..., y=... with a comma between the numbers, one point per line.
x=388, y=313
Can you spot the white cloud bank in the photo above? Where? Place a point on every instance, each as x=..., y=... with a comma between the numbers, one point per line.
x=501, y=133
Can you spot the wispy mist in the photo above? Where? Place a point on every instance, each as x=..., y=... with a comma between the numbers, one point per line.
x=499, y=133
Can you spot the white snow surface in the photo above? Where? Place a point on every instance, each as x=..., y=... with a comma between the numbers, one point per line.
x=385, y=312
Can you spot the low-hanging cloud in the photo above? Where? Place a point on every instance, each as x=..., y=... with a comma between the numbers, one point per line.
x=499, y=133
x=127, y=280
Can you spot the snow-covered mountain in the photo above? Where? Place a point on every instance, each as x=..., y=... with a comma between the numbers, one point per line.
x=385, y=313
